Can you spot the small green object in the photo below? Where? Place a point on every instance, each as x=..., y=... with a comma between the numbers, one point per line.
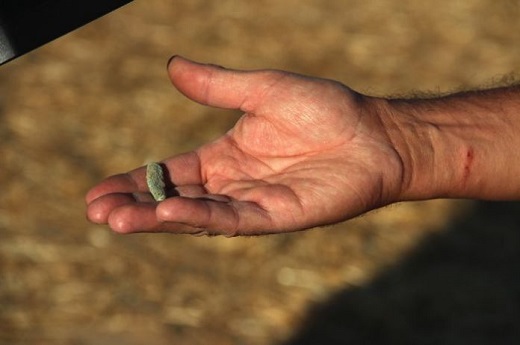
x=155, y=181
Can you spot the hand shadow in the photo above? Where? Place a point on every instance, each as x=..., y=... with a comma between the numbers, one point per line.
x=460, y=286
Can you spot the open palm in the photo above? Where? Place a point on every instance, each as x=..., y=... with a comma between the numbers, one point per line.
x=306, y=152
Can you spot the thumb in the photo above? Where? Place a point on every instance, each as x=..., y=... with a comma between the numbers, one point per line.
x=217, y=86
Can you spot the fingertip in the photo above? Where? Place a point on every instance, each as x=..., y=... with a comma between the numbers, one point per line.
x=100, y=209
x=170, y=60
x=120, y=226
x=175, y=61
x=120, y=221
x=182, y=210
x=182, y=75
x=132, y=218
x=168, y=210
x=209, y=84
x=96, y=217
x=97, y=212
x=120, y=183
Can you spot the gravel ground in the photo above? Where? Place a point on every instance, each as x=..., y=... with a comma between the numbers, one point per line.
x=98, y=102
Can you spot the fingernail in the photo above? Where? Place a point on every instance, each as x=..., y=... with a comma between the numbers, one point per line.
x=170, y=61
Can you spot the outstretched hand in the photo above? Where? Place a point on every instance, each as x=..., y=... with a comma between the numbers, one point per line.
x=306, y=152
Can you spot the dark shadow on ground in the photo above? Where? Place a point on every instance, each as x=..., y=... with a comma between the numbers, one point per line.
x=460, y=286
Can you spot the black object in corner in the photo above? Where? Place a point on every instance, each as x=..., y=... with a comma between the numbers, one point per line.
x=28, y=24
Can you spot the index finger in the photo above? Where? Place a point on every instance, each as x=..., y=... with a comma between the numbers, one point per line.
x=120, y=183
x=181, y=170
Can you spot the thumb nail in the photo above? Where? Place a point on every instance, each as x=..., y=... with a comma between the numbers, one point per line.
x=170, y=61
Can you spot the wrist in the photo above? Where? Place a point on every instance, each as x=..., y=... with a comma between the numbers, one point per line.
x=460, y=146
x=423, y=148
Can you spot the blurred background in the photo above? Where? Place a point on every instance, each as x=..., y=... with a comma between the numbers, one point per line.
x=98, y=102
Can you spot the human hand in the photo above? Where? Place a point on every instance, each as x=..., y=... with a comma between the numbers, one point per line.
x=307, y=152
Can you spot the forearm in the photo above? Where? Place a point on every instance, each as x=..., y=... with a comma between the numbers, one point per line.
x=460, y=146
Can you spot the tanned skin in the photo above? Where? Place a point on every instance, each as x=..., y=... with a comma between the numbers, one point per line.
x=310, y=152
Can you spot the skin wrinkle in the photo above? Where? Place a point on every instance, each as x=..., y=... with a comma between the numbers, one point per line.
x=298, y=114
x=302, y=195
x=253, y=180
x=384, y=193
x=263, y=209
x=240, y=189
x=294, y=199
x=301, y=201
x=355, y=190
x=211, y=176
x=208, y=175
x=208, y=85
x=390, y=124
x=259, y=203
x=428, y=134
x=269, y=165
x=264, y=214
x=264, y=92
x=205, y=218
x=400, y=123
x=234, y=230
x=267, y=127
x=249, y=155
x=287, y=155
x=309, y=152
x=211, y=214
x=359, y=123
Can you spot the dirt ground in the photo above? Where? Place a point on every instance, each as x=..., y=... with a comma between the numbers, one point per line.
x=98, y=102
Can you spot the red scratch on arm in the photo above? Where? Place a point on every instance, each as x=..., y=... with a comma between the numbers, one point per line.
x=468, y=164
